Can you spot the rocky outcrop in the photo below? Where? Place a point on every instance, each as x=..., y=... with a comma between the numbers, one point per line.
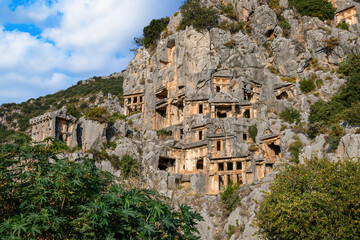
x=90, y=134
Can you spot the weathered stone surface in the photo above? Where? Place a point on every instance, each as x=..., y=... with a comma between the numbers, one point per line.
x=90, y=134
x=263, y=23
x=349, y=146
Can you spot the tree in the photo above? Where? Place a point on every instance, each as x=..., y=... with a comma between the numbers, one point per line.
x=153, y=30
x=290, y=115
x=350, y=65
x=194, y=14
x=314, y=8
x=44, y=196
x=317, y=200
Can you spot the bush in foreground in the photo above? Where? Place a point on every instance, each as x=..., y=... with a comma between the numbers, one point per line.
x=317, y=200
x=46, y=197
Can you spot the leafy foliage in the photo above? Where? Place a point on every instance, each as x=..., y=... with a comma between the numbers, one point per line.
x=98, y=114
x=307, y=85
x=253, y=131
x=129, y=166
x=69, y=97
x=230, y=44
x=72, y=110
x=351, y=65
x=230, y=197
x=194, y=14
x=290, y=115
x=162, y=133
x=151, y=33
x=46, y=197
x=317, y=200
x=294, y=149
x=314, y=8
x=228, y=10
x=343, y=25
x=5, y=133
x=285, y=26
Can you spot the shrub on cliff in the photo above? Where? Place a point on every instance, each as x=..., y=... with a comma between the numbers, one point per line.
x=314, y=8
x=350, y=65
x=198, y=16
x=151, y=33
x=290, y=115
x=46, y=197
x=307, y=85
x=317, y=200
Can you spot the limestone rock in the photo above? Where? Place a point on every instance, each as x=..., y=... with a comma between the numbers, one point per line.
x=90, y=134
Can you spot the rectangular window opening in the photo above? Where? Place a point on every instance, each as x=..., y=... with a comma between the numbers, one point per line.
x=218, y=145
x=221, y=167
x=245, y=138
x=201, y=108
x=200, y=135
x=200, y=164
x=238, y=166
x=229, y=166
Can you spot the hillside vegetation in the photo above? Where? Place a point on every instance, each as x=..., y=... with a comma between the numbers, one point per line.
x=77, y=99
x=46, y=197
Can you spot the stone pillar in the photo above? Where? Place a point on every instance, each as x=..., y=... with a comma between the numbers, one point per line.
x=212, y=110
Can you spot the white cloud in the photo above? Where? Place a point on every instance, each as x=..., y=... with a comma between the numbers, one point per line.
x=84, y=43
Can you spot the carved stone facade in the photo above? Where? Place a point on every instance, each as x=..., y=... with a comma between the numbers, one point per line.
x=133, y=103
x=347, y=11
x=348, y=15
x=58, y=124
x=210, y=126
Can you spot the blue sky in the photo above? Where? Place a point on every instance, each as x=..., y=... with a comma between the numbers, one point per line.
x=48, y=45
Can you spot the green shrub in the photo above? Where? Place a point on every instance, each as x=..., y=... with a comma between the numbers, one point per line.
x=5, y=133
x=72, y=110
x=307, y=85
x=316, y=200
x=290, y=115
x=322, y=111
x=230, y=44
x=319, y=82
x=194, y=14
x=236, y=27
x=129, y=167
x=288, y=79
x=331, y=44
x=253, y=131
x=294, y=149
x=228, y=10
x=314, y=8
x=117, y=116
x=333, y=142
x=152, y=32
x=98, y=114
x=350, y=65
x=352, y=114
x=343, y=25
x=46, y=197
x=273, y=70
x=349, y=93
x=163, y=133
x=276, y=7
x=230, y=197
x=285, y=26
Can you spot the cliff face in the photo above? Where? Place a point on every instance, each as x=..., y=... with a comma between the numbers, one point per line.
x=203, y=107
x=211, y=88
